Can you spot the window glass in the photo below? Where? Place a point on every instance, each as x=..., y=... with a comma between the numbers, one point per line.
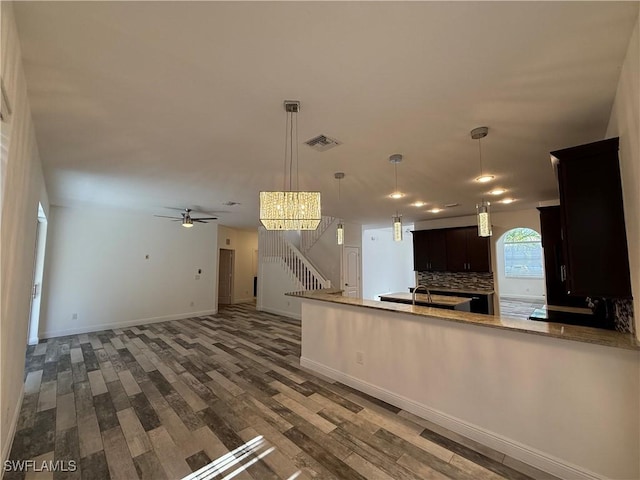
x=523, y=254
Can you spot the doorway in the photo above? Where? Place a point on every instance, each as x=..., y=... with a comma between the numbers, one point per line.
x=38, y=270
x=225, y=277
x=351, y=272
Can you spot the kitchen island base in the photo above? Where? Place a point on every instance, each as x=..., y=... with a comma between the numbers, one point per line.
x=565, y=407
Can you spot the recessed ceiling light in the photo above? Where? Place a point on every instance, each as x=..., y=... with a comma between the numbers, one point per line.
x=507, y=200
x=419, y=204
x=485, y=178
x=396, y=195
x=435, y=210
x=497, y=191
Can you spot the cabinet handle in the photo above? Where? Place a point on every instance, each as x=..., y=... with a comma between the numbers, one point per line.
x=563, y=273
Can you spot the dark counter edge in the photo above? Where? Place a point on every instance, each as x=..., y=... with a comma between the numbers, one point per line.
x=561, y=331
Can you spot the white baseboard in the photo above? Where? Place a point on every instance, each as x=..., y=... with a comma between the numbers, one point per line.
x=282, y=313
x=512, y=448
x=6, y=450
x=127, y=323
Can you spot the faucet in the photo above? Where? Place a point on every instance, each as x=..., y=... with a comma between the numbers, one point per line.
x=415, y=290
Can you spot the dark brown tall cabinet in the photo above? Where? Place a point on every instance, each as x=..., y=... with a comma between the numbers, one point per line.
x=592, y=220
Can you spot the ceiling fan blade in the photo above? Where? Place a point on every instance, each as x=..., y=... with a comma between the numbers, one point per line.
x=164, y=216
x=204, y=218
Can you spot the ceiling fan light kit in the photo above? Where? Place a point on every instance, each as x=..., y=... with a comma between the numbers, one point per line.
x=290, y=209
x=186, y=218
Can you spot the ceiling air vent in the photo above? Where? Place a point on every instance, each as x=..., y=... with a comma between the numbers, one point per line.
x=322, y=143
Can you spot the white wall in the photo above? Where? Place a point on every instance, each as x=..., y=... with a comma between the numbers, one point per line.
x=387, y=266
x=244, y=243
x=273, y=283
x=567, y=407
x=625, y=123
x=96, y=268
x=327, y=256
x=23, y=188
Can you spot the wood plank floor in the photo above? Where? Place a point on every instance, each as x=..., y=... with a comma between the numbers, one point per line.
x=223, y=396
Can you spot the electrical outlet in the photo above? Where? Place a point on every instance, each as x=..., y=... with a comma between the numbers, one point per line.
x=74, y=316
x=360, y=358
x=192, y=304
x=197, y=277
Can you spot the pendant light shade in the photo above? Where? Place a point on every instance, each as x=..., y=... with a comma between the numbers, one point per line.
x=340, y=234
x=484, y=219
x=395, y=159
x=482, y=208
x=290, y=209
x=397, y=228
x=340, y=230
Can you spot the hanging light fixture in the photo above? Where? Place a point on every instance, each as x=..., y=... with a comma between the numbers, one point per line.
x=187, y=222
x=395, y=159
x=482, y=208
x=340, y=230
x=290, y=209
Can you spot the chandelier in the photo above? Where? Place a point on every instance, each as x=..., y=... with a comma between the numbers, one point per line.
x=290, y=209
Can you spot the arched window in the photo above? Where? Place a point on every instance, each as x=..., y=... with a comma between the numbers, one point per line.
x=523, y=254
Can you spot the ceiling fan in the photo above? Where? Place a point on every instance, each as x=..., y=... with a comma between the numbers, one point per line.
x=186, y=219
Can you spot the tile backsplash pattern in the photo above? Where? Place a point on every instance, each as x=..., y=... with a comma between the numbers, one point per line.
x=623, y=316
x=464, y=281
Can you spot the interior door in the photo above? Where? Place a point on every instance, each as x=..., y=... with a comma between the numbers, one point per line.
x=225, y=277
x=351, y=272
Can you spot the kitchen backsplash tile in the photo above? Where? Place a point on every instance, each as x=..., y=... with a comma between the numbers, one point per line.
x=466, y=281
x=623, y=315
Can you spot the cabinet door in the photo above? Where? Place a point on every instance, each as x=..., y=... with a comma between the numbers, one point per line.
x=593, y=220
x=554, y=264
x=456, y=240
x=478, y=249
x=437, y=249
x=420, y=249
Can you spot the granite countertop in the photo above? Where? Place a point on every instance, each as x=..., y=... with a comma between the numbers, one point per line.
x=576, y=333
x=471, y=291
x=444, y=300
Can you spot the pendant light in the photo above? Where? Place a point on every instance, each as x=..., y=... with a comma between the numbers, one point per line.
x=395, y=159
x=340, y=230
x=290, y=209
x=482, y=208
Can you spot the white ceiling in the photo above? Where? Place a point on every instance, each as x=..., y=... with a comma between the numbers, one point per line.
x=146, y=105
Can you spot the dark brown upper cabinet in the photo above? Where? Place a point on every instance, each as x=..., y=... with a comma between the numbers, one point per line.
x=429, y=251
x=592, y=220
x=466, y=251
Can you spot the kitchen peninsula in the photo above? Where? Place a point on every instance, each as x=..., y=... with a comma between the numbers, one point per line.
x=508, y=384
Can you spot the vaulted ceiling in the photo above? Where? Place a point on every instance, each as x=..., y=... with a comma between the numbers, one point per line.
x=146, y=105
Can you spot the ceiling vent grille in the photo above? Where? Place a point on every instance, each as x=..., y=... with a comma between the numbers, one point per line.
x=322, y=143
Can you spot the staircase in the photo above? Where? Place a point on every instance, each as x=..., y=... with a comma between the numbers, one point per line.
x=274, y=247
x=308, y=238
